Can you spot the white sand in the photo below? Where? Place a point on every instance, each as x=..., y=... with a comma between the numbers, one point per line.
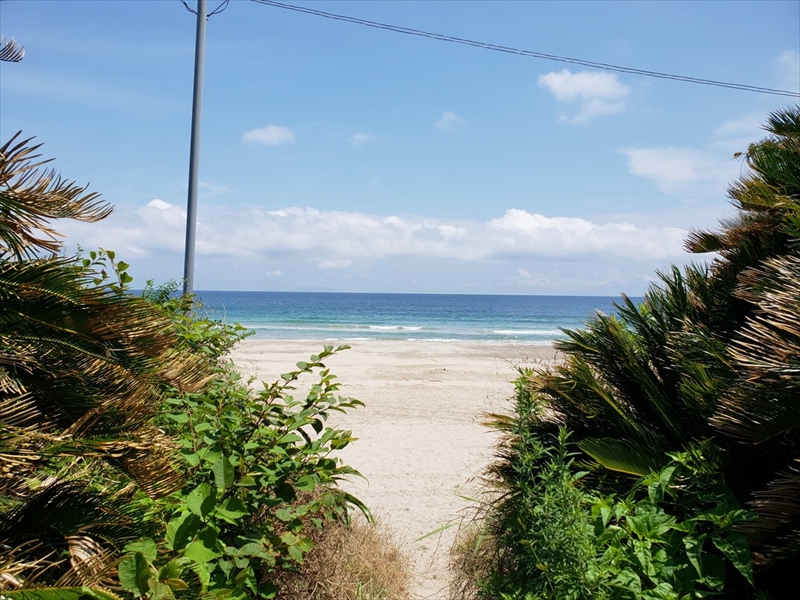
x=420, y=441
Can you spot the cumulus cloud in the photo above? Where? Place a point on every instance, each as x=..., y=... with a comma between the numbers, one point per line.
x=597, y=93
x=340, y=239
x=519, y=233
x=159, y=204
x=449, y=121
x=271, y=135
x=676, y=170
x=359, y=139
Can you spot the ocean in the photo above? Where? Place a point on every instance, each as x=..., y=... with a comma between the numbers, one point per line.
x=346, y=317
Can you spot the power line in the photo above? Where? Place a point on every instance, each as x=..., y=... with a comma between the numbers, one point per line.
x=509, y=50
x=216, y=11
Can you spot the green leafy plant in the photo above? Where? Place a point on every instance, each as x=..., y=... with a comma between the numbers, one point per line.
x=706, y=365
x=547, y=536
x=259, y=469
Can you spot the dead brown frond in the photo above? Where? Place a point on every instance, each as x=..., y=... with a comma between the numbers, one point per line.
x=31, y=197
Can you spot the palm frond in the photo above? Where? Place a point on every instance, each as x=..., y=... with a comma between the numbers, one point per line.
x=10, y=50
x=64, y=534
x=765, y=401
x=776, y=534
x=31, y=197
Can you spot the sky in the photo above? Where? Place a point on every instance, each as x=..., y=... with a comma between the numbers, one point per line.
x=339, y=157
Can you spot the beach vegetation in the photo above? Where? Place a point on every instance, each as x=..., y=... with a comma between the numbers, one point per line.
x=81, y=370
x=660, y=457
x=135, y=461
x=259, y=468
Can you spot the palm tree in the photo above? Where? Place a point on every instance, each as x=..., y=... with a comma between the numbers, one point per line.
x=709, y=358
x=81, y=368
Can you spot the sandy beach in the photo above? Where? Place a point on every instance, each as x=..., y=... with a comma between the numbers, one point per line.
x=420, y=443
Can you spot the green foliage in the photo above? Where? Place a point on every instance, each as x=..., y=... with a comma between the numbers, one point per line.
x=549, y=537
x=128, y=445
x=685, y=407
x=259, y=473
x=82, y=371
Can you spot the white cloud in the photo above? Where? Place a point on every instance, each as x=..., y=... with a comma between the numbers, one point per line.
x=271, y=135
x=599, y=93
x=338, y=239
x=159, y=204
x=449, y=121
x=788, y=65
x=676, y=170
x=297, y=248
x=359, y=139
x=519, y=233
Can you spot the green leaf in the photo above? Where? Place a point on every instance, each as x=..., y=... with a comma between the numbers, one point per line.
x=134, y=572
x=200, y=553
x=193, y=458
x=307, y=483
x=623, y=455
x=736, y=548
x=223, y=473
x=201, y=500
x=171, y=570
x=232, y=509
x=181, y=529
x=147, y=547
x=694, y=550
x=176, y=585
x=284, y=514
x=295, y=553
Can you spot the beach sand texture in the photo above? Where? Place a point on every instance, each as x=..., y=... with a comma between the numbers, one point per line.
x=420, y=442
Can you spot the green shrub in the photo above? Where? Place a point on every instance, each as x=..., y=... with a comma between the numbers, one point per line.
x=683, y=408
x=259, y=474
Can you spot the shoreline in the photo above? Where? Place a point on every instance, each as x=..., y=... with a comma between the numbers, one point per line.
x=420, y=443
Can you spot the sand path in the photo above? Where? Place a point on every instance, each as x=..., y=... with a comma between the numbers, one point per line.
x=420, y=441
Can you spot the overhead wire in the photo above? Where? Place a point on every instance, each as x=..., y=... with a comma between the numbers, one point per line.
x=530, y=53
x=216, y=11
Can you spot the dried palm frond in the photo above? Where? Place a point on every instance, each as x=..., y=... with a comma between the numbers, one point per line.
x=31, y=197
x=10, y=50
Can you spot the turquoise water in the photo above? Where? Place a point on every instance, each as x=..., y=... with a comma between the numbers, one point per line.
x=437, y=317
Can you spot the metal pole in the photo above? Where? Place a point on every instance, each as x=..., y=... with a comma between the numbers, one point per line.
x=194, y=151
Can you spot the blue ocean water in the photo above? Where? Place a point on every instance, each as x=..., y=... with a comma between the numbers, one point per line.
x=438, y=317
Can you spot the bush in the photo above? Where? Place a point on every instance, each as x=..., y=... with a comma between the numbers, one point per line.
x=259, y=474
x=681, y=411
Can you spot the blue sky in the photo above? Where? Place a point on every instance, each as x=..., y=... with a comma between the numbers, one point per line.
x=344, y=158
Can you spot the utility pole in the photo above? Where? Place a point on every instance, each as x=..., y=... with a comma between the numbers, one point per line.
x=194, y=151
